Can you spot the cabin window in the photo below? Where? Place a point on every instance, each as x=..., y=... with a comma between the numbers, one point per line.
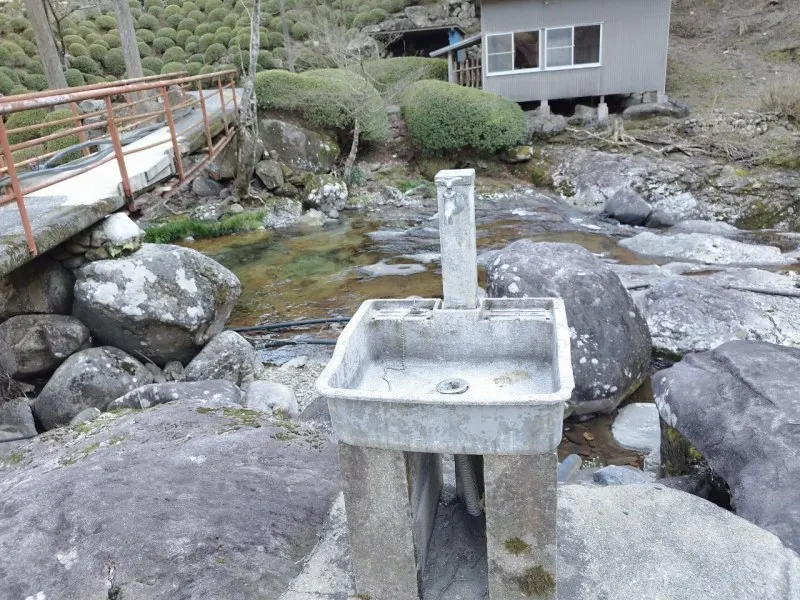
x=573, y=46
x=512, y=51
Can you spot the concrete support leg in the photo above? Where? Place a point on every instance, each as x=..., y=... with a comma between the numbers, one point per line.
x=389, y=540
x=544, y=108
x=521, y=526
x=662, y=98
x=602, y=112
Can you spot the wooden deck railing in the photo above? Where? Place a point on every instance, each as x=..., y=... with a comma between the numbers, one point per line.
x=469, y=73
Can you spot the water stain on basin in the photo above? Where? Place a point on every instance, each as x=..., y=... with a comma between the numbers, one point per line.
x=511, y=378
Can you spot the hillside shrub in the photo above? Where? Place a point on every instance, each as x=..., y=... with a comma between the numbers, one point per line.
x=19, y=24
x=376, y=15
x=156, y=11
x=11, y=74
x=213, y=26
x=218, y=14
x=394, y=74
x=97, y=51
x=274, y=40
x=153, y=64
x=114, y=62
x=144, y=50
x=24, y=118
x=78, y=50
x=192, y=47
x=62, y=142
x=94, y=38
x=74, y=77
x=86, y=65
x=18, y=89
x=173, y=21
x=172, y=67
x=6, y=84
x=145, y=35
x=230, y=20
x=204, y=41
x=72, y=39
x=300, y=31
x=167, y=32
x=161, y=44
x=193, y=68
x=326, y=98
x=36, y=82
x=201, y=30
x=308, y=59
x=197, y=16
x=147, y=21
x=105, y=22
x=5, y=57
x=112, y=40
x=445, y=117
x=174, y=54
x=187, y=25
x=213, y=53
x=172, y=9
x=212, y=5
x=183, y=37
x=149, y=3
x=222, y=37
x=36, y=66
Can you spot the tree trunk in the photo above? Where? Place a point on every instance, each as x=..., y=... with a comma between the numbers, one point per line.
x=287, y=41
x=351, y=158
x=61, y=46
x=127, y=37
x=45, y=44
x=250, y=148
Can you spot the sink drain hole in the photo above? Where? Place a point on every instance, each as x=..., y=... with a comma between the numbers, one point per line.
x=452, y=386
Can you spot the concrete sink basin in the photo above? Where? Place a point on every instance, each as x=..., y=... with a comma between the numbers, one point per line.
x=410, y=375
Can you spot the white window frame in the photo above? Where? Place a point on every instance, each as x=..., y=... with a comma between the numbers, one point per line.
x=542, y=50
x=513, y=52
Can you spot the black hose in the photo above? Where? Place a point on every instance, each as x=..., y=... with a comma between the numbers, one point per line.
x=290, y=324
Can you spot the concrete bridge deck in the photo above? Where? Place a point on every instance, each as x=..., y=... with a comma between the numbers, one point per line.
x=59, y=211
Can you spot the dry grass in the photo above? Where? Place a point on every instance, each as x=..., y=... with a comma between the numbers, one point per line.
x=783, y=99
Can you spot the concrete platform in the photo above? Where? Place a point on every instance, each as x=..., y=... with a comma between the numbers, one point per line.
x=59, y=211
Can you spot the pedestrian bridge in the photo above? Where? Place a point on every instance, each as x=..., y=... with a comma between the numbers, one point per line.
x=128, y=136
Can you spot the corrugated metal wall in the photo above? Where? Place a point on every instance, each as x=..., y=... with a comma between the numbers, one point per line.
x=634, y=46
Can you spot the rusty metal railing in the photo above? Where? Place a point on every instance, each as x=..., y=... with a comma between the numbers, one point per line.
x=131, y=107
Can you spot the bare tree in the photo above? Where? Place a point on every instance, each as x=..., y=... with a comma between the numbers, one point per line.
x=57, y=12
x=46, y=44
x=249, y=143
x=127, y=37
x=287, y=40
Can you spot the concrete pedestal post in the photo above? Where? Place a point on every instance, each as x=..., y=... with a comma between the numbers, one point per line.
x=390, y=498
x=602, y=112
x=662, y=98
x=521, y=526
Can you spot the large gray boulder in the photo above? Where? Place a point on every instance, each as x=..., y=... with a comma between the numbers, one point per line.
x=227, y=356
x=539, y=126
x=327, y=193
x=184, y=500
x=695, y=314
x=282, y=212
x=705, y=248
x=161, y=393
x=628, y=207
x=163, y=302
x=299, y=148
x=616, y=542
x=673, y=209
x=738, y=405
x=40, y=286
x=270, y=174
x=648, y=110
x=92, y=377
x=32, y=345
x=16, y=420
x=610, y=341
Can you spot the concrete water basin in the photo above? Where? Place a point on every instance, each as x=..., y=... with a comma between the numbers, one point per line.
x=410, y=375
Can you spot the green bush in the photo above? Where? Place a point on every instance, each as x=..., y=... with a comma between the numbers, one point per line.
x=114, y=62
x=85, y=64
x=230, y=20
x=162, y=44
x=308, y=59
x=172, y=67
x=74, y=77
x=105, y=22
x=201, y=30
x=92, y=79
x=187, y=25
x=167, y=32
x=149, y=3
x=25, y=118
x=172, y=9
x=19, y=24
x=274, y=40
x=145, y=35
x=173, y=21
x=394, y=74
x=111, y=40
x=213, y=26
x=11, y=74
x=195, y=58
x=62, y=142
x=94, y=38
x=18, y=89
x=5, y=57
x=444, y=117
x=196, y=15
x=183, y=36
x=72, y=39
x=6, y=84
x=207, y=69
x=144, y=50
x=97, y=51
x=376, y=15
x=174, y=54
x=147, y=21
x=213, y=53
x=156, y=11
x=191, y=47
x=29, y=48
x=205, y=41
x=265, y=60
x=218, y=14
x=78, y=50
x=152, y=63
x=175, y=3
x=36, y=66
x=212, y=5
x=222, y=37
x=193, y=68
x=26, y=153
x=300, y=31
x=327, y=98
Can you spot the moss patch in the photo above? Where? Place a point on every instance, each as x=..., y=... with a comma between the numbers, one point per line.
x=183, y=228
x=517, y=545
x=536, y=581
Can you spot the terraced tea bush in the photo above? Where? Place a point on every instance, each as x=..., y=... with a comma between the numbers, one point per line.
x=111, y=40
x=85, y=64
x=213, y=53
x=197, y=16
x=193, y=68
x=161, y=44
x=391, y=75
x=74, y=77
x=114, y=62
x=153, y=64
x=205, y=41
x=78, y=50
x=105, y=22
x=222, y=37
x=11, y=74
x=173, y=21
x=174, y=54
x=187, y=25
x=6, y=84
x=97, y=51
x=25, y=118
x=144, y=50
x=156, y=11
x=72, y=39
x=218, y=14
x=183, y=36
x=167, y=32
x=172, y=9
x=172, y=67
